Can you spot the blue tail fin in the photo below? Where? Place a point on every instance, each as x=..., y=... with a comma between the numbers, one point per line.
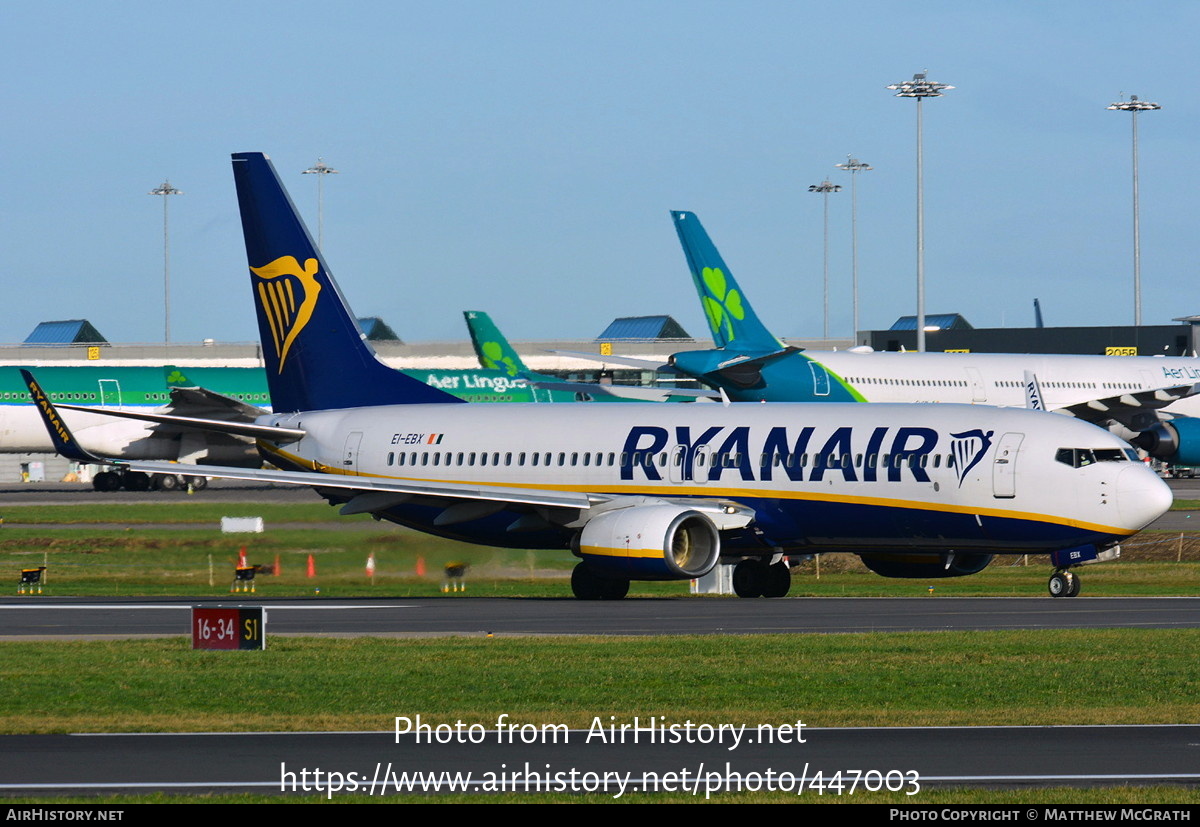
x=316, y=356
x=731, y=319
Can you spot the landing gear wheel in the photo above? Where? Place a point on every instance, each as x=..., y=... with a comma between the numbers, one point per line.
x=1063, y=584
x=777, y=579
x=1076, y=584
x=749, y=577
x=587, y=585
x=197, y=483
x=106, y=481
x=166, y=482
x=136, y=481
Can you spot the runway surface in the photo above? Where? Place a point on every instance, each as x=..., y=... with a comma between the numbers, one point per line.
x=699, y=755
x=36, y=617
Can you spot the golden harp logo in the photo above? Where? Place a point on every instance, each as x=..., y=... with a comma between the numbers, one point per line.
x=282, y=282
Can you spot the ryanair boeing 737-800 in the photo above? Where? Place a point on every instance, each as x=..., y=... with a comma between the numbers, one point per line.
x=646, y=491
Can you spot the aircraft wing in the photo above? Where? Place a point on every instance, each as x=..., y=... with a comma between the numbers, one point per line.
x=243, y=429
x=1130, y=409
x=644, y=364
x=195, y=401
x=370, y=494
x=333, y=478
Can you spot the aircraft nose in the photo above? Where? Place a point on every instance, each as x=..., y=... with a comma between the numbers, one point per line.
x=1141, y=496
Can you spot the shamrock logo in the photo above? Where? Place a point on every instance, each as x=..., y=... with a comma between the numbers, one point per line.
x=494, y=358
x=723, y=306
x=176, y=377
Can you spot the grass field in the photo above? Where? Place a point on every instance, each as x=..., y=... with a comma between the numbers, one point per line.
x=178, y=549
x=961, y=678
x=947, y=678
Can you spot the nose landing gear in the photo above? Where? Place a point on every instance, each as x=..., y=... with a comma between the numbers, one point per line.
x=1064, y=583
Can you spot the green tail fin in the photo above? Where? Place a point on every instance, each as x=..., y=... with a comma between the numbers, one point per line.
x=493, y=350
x=176, y=377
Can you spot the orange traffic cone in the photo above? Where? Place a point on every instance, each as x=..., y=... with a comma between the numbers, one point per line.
x=420, y=566
x=242, y=557
x=371, y=564
x=312, y=566
x=278, y=568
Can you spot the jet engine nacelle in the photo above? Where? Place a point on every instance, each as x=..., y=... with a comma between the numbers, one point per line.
x=923, y=566
x=1176, y=441
x=650, y=542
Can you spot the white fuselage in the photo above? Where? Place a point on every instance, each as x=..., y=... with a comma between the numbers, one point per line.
x=998, y=378
x=828, y=476
x=22, y=431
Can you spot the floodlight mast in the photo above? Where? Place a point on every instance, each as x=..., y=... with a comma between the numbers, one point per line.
x=164, y=189
x=320, y=169
x=854, y=166
x=826, y=187
x=1133, y=106
x=920, y=87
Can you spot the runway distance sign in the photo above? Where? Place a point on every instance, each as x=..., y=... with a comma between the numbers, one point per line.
x=242, y=627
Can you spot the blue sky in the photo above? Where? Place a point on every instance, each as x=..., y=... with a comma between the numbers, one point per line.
x=521, y=158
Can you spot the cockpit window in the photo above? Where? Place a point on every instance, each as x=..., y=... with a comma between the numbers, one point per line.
x=1080, y=457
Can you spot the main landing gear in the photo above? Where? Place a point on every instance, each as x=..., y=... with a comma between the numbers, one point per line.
x=757, y=578
x=1064, y=583
x=588, y=585
x=137, y=481
x=115, y=481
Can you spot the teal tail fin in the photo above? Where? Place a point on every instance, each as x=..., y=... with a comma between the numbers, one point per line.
x=731, y=319
x=493, y=350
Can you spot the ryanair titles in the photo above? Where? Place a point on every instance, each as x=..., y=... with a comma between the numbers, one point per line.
x=856, y=454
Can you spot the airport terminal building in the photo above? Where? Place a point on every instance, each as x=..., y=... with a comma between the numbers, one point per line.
x=77, y=343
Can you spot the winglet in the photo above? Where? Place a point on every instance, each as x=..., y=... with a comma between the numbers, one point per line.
x=1034, y=400
x=492, y=348
x=730, y=317
x=64, y=441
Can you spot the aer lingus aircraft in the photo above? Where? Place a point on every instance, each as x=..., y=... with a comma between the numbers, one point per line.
x=234, y=394
x=495, y=352
x=660, y=492
x=231, y=394
x=1126, y=394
